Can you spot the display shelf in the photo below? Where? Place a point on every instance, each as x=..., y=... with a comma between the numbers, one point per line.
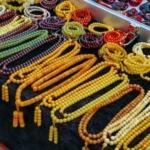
x=115, y=19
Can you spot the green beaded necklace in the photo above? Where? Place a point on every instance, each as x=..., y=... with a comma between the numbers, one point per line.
x=36, y=37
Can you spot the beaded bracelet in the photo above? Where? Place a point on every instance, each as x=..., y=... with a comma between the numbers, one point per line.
x=137, y=64
x=8, y=70
x=25, y=3
x=124, y=125
x=81, y=93
x=82, y=16
x=37, y=35
x=73, y=30
x=92, y=27
x=115, y=37
x=53, y=23
x=137, y=48
x=29, y=10
x=113, y=52
x=25, y=28
x=48, y=4
x=6, y=18
x=91, y=40
x=64, y=9
x=90, y=138
x=2, y=9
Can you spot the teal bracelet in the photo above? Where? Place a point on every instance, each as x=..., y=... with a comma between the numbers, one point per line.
x=35, y=37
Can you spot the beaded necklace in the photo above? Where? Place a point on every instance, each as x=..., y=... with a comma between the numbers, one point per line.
x=97, y=138
x=64, y=9
x=16, y=22
x=142, y=145
x=82, y=92
x=127, y=123
x=37, y=35
x=6, y=18
x=8, y=70
x=25, y=28
x=48, y=4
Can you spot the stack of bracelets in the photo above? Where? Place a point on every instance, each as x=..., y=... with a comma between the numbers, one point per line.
x=64, y=10
x=28, y=12
x=73, y=30
x=48, y=4
x=91, y=40
x=52, y=24
x=82, y=16
x=55, y=58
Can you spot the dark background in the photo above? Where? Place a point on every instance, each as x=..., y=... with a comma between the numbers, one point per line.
x=36, y=138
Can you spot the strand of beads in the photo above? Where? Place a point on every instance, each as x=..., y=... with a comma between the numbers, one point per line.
x=84, y=91
x=137, y=64
x=8, y=70
x=25, y=28
x=6, y=18
x=127, y=123
x=15, y=23
x=113, y=52
x=97, y=138
x=82, y=16
x=53, y=23
x=48, y=76
x=64, y=9
x=116, y=36
x=48, y=4
x=132, y=134
x=92, y=27
x=28, y=12
x=73, y=30
x=2, y=9
x=137, y=48
x=37, y=35
x=50, y=100
x=91, y=40
x=24, y=4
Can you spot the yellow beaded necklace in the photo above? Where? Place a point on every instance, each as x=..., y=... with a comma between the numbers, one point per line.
x=123, y=126
x=17, y=21
x=82, y=92
x=48, y=75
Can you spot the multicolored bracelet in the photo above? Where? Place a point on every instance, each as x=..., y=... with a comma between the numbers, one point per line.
x=91, y=40
x=52, y=24
x=29, y=10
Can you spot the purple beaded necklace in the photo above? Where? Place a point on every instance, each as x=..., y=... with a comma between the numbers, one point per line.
x=6, y=18
x=5, y=70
